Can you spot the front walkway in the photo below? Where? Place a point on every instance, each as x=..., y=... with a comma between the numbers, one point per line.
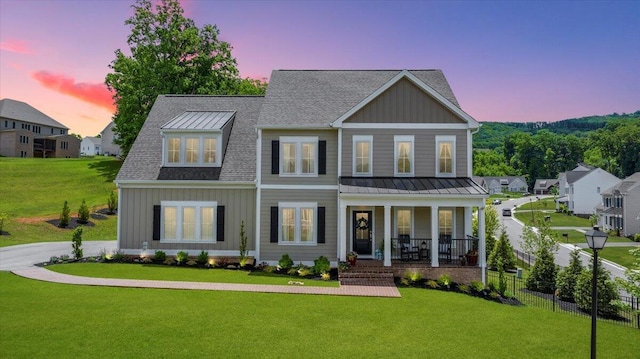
x=45, y=275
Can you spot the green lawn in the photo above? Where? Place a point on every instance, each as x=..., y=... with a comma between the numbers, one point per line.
x=162, y=272
x=547, y=204
x=51, y=320
x=557, y=219
x=578, y=237
x=618, y=255
x=34, y=189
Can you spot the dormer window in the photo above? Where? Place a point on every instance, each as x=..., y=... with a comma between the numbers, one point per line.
x=194, y=139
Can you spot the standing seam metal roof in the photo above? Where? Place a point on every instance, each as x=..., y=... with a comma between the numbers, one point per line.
x=199, y=120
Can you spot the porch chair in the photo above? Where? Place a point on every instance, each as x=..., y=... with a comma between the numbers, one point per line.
x=406, y=251
x=444, y=247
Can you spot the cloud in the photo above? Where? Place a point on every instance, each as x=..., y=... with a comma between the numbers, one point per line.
x=16, y=46
x=96, y=93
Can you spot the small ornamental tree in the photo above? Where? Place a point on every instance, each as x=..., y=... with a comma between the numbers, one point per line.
x=503, y=251
x=83, y=213
x=491, y=225
x=76, y=243
x=112, y=203
x=543, y=273
x=567, y=277
x=243, y=245
x=607, y=292
x=64, y=216
x=3, y=218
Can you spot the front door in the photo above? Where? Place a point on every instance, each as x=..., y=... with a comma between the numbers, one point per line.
x=362, y=225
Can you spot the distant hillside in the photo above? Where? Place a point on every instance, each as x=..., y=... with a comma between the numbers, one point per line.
x=493, y=134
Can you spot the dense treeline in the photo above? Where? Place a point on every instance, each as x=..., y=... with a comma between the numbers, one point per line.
x=542, y=151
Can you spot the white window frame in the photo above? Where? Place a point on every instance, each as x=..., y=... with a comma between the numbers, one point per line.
x=411, y=220
x=357, y=139
x=297, y=236
x=298, y=141
x=179, y=205
x=396, y=140
x=452, y=140
x=183, y=150
x=453, y=219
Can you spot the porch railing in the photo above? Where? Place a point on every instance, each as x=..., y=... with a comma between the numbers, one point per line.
x=454, y=251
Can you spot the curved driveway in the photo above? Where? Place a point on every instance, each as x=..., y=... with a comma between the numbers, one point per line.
x=26, y=255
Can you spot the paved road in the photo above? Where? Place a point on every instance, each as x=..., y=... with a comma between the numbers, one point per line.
x=26, y=255
x=514, y=230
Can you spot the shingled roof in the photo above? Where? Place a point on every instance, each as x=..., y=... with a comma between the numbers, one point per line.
x=316, y=98
x=239, y=162
x=22, y=111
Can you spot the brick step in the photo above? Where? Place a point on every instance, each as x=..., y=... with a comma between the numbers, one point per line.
x=379, y=282
x=365, y=275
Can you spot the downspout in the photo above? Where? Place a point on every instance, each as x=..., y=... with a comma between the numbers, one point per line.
x=258, y=209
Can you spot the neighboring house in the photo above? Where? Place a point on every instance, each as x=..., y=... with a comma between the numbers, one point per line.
x=90, y=146
x=27, y=132
x=326, y=163
x=505, y=184
x=620, y=206
x=580, y=189
x=109, y=147
x=545, y=186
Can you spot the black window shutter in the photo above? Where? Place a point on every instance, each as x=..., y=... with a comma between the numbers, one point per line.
x=220, y=229
x=156, y=222
x=321, y=225
x=275, y=157
x=322, y=157
x=274, y=225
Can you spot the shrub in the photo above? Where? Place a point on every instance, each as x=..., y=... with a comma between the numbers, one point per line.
x=464, y=288
x=118, y=256
x=146, y=260
x=432, y=284
x=636, y=237
x=567, y=278
x=412, y=276
x=53, y=259
x=3, y=218
x=76, y=243
x=504, y=251
x=64, y=216
x=83, y=213
x=112, y=203
x=444, y=280
x=543, y=273
x=285, y=262
x=292, y=271
x=269, y=269
x=203, y=257
x=607, y=293
x=182, y=257
x=321, y=265
x=477, y=286
x=169, y=261
x=325, y=276
x=304, y=271
x=191, y=263
x=160, y=256
x=343, y=266
x=243, y=245
x=502, y=281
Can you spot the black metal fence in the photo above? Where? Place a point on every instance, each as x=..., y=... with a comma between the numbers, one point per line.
x=628, y=308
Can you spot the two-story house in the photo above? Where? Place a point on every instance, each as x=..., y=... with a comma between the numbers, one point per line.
x=328, y=162
x=620, y=207
x=108, y=138
x=90, y=146
x=580, y=189
x=27, y=132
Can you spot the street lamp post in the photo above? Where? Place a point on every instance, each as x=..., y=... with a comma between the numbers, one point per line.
x=595, y=240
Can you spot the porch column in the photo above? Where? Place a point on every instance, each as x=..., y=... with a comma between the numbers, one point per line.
x=343, y=232
x=434, y=237
x=468, y=225
x=387, y=235
x=482, y=255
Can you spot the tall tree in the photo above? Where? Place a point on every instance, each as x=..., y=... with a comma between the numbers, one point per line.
x=169, y=54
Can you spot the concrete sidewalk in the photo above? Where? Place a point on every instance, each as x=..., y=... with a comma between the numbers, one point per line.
x=46, y=275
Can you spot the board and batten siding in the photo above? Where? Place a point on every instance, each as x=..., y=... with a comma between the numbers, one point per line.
x=136, y=212
x=424, y=150
x=407, y=103
x=273, y=251
x=330, y=178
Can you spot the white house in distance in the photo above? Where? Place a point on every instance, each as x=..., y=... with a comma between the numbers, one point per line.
x=580, y=189
x=620, y=207
x=90, y=146
x=109, y=148
x=504, y=184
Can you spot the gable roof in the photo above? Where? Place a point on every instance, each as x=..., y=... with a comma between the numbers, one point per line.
x=626, y=185
x=21, y=111
x=239, y=162
x=94, y=140
x=545, y=183
x=325, y=98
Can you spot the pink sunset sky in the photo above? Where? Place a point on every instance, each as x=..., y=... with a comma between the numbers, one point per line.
x=506, y=61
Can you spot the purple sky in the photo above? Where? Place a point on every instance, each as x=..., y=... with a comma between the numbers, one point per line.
x=506, y=61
